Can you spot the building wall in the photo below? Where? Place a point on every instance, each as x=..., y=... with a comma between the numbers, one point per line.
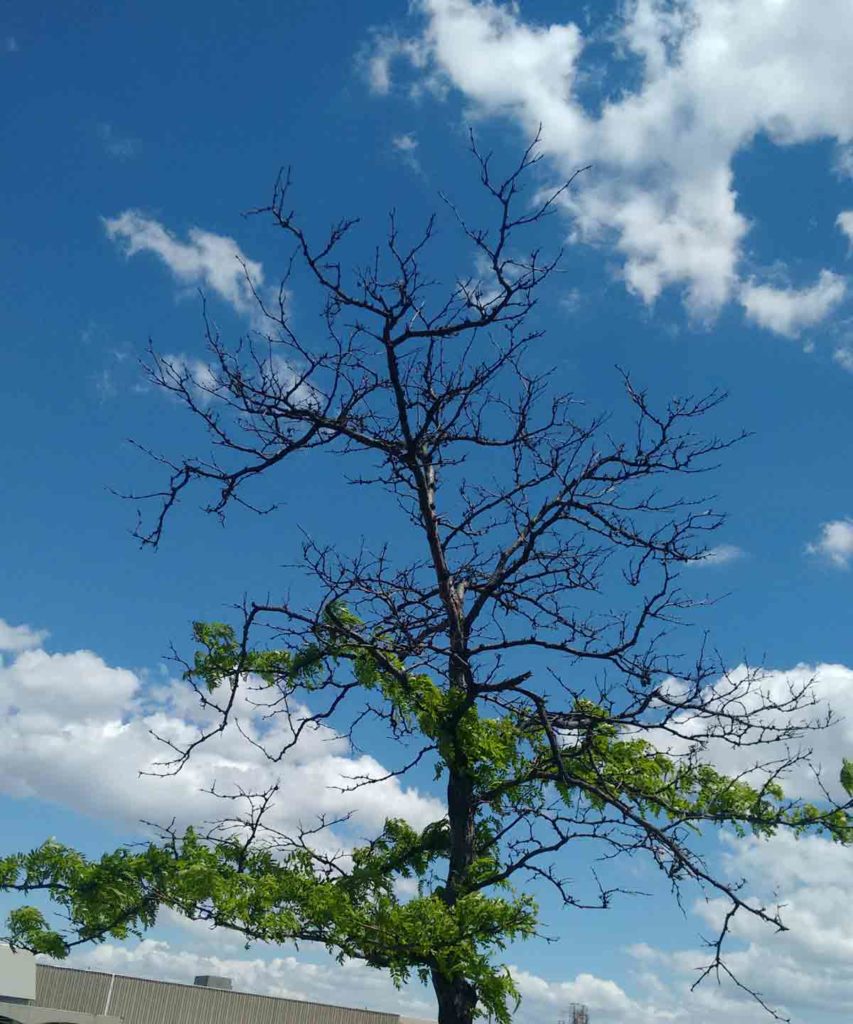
x=17, y=974
x=141, y=1001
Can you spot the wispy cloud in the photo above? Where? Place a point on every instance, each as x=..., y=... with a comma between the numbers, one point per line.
x=205, y=384
x=722, y=554
x=195, y=374
x=843, y=355
x=204, y=259
x=843, y=165
x=844, y=221
x=377, y=59
x=406, y=146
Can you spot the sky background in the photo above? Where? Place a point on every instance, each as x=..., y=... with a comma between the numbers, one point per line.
x=709, y=246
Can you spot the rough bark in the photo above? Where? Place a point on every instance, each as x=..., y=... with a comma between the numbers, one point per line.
x=457, y=1000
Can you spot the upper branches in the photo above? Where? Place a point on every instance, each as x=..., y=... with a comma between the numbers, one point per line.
x=523, y=506
x=517, y=641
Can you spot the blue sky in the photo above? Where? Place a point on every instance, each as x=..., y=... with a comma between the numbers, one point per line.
x=709, y=246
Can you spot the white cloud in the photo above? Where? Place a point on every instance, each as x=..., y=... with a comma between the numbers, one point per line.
x=205, y=385
x=722, y=554
x=200, y=376
x=832, y=688
x=64, y=716
x=712, y=75
x=10, y=44
x=843, y=355
x=205, y=259
x=789, y=311
x=406, y=146
x=386, y=47
x=406, y=143
x=19, y=638
x=808, y=968
x=352, y=983
x=843, y=166
x=844, y=220
x=600, y=995
x=836, y=537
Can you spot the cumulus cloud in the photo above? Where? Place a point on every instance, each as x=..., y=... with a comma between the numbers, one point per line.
x=19, y=638
x=659, y=993
x=205, y=259
x=835, y=542
x=601, y=995
x=806, y=971
x=831, y=686
x=64, y=716
x=789, y=311
x=351, y=983
x=711, y=76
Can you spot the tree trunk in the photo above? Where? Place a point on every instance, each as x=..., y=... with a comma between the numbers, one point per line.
x=457, y=999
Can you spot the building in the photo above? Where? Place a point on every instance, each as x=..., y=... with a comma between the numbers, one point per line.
x=36, y=993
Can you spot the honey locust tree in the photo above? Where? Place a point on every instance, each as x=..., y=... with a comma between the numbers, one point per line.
x=516, y=640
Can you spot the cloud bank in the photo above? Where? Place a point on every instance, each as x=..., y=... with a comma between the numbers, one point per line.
x=707, y=78
x=64, y=716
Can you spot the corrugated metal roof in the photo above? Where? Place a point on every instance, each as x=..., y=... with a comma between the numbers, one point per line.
x=144, y=1001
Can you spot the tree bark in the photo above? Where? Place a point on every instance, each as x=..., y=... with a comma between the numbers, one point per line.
x=457, y=999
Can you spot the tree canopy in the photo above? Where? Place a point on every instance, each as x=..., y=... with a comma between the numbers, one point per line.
x=518, y=643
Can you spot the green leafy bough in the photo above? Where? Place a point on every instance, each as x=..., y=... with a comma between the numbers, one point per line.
x=587, y=781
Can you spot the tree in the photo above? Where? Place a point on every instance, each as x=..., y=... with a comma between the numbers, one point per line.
x=519, y=648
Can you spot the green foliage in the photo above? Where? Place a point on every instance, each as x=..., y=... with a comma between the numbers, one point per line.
x=222, y=658
x=847, y=776
x=509, y=762
x=116, y=896
x=275, y=899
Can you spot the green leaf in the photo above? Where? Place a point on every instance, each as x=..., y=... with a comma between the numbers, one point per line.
x=847, y=776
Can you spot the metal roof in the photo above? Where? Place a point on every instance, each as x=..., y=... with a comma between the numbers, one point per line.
x=145, y=1001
